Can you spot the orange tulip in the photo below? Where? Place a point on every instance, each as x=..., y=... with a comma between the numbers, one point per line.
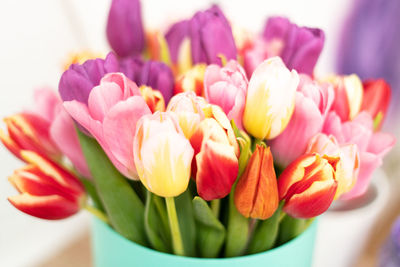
x=256, y=193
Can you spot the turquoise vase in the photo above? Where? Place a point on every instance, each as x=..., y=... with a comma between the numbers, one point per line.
x=112, y=250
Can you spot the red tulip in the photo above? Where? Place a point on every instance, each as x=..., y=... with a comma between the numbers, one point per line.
x=256, y=193
x=216, y=162
x=308, y=185
x=46, y=190
x=27, y=131
x=376, y=99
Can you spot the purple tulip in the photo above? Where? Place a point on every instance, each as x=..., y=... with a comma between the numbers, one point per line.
x=175, y=36
x=132, y=67
x=124, y=27
x=300, y=46
x=158, y=76
x=152, y=73
x=210, y=35
x=77, y=82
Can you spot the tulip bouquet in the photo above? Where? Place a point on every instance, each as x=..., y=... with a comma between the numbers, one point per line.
x=199, y=142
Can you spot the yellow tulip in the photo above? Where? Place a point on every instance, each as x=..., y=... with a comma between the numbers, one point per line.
x=162, y=154
x=270, y=99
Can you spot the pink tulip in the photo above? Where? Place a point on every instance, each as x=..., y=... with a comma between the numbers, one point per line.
x=113, y=109
x=62, y=128
x=227, y=87
x=349, y=164
x=260, y=50
x=313, y=101
x=372, y=146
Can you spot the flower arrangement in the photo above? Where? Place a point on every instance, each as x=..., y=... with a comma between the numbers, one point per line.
x=178, y=140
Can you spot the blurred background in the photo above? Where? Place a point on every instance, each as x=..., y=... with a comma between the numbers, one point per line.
x=36, y=38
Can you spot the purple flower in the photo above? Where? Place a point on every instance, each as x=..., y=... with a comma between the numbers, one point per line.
x=124, y=27
x=210, y=34
x=152, y=73
x=158, y=76
x=299, y=47
x=77, y=82
x=175, y=36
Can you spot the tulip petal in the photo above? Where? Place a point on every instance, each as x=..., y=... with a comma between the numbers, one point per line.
x=46, y=103
x=217, y=168
x=368, y=163
x=59, y=175
x=166, y=158
x=63, y=133
x=102, y=98
x=306, y=121
x=32, y=181
x=313, y=201
x=119, y=129
x=80, y=113
x=51, y=207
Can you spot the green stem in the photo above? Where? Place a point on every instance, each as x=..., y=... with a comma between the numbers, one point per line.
x=96, y=212
x=282, y=216
x=174, y=225
x=161, y=211
x=215, y=207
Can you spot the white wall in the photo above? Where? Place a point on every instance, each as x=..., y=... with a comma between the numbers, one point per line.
x=35, y=38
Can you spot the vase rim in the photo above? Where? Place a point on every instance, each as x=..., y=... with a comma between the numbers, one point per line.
x=292, y=242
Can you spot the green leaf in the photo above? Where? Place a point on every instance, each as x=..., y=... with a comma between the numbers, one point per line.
x=211, y=232
x=265, y=234
x=91, y=190
x=290, y=228
x=186, y=220
x=153, y=224
x=237, y=230
x=123, y=207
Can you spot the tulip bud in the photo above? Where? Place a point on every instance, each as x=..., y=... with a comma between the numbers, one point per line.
x=175, y=37
x=376, y=100
x=162, y=154
x=348, y=95
x=256, y=193
x=299, y=47
x=27, y=131
x=216, y=162
x=153, y=98
x=46, y=190
x=227, y=87
x=211, y=35
x=124, y=27
x=188, y=109
x=191, y=80
x=270, y=99
x=308, y=185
